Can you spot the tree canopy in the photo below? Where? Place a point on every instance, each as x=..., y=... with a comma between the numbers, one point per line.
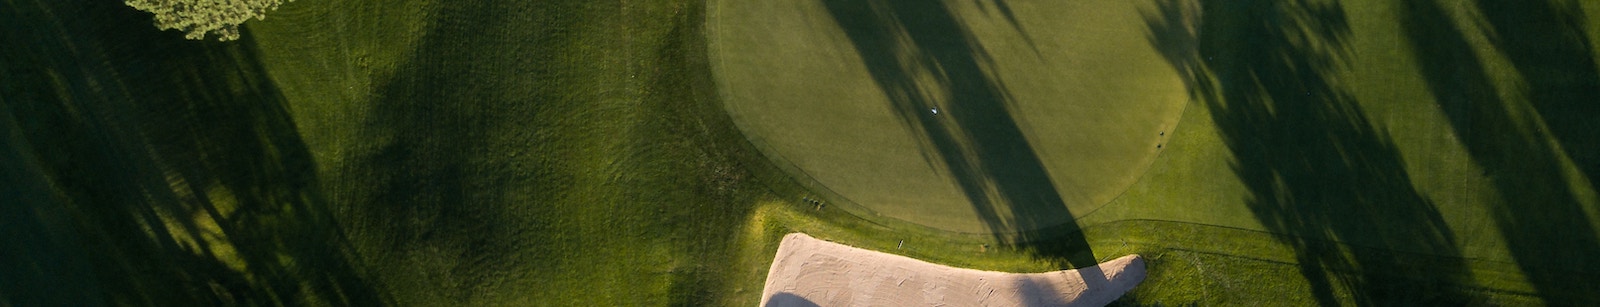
x=197, y=18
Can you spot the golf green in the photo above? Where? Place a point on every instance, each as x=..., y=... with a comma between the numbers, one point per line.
x=971, y=117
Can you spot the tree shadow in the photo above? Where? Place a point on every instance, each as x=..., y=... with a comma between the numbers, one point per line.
x=1548, y=46
x=1035, y=293
x=1004, y=8
x=786, y=299
x=175, y=163
x=922, y=56
x=1544, y=225
x=45, y=253
x=433, y=197
x=1319, y=172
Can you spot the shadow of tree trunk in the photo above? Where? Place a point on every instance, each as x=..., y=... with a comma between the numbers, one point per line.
x=1319, y=172
x=1544, y=225
x=1547, y=43
x=922, y=56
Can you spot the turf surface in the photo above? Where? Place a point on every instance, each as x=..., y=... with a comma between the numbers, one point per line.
x=578, y=153
x=1047, y=110
x=1355, y=132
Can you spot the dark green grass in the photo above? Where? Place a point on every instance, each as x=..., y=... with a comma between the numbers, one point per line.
x=53, y=269
x=1295, y=95
x=167, y=171
x=570, y=156
x=1540, y=215
x=1317, y=168
x=574, y=165
x=574, y=153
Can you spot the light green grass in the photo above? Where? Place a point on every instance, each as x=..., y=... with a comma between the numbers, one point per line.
x=1085, y=91
x=1412, y=212
x=577, y=153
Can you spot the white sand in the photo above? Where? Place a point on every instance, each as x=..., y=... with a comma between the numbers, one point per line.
x=812, y=272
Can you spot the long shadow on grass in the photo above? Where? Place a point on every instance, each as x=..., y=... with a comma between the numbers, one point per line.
x=482, y=137
x=170, y=170
x=1548, y=46
x=1543, y=223
x=443, y=194
x=923, y=57
x=47, y=264
x=431, y=200
x=1317, y=169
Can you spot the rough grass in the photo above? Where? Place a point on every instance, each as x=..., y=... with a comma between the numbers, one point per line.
x=576, y=153
x=524, y=153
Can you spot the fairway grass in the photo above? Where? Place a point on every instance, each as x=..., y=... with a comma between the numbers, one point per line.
x=1366, y=147
x=502, y=153
x=583, y=153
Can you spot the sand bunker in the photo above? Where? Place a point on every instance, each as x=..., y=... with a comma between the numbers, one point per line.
x=812, y=272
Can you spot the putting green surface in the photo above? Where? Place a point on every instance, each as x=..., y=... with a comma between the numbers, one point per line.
x=1048, y=110
x=1424, y=152
x=497, y=152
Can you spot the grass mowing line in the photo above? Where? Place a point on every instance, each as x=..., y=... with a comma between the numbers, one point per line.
x=668, y=215
x=769, y=156
x=1223, y=204
x=1023, y=258
x=676, y=201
